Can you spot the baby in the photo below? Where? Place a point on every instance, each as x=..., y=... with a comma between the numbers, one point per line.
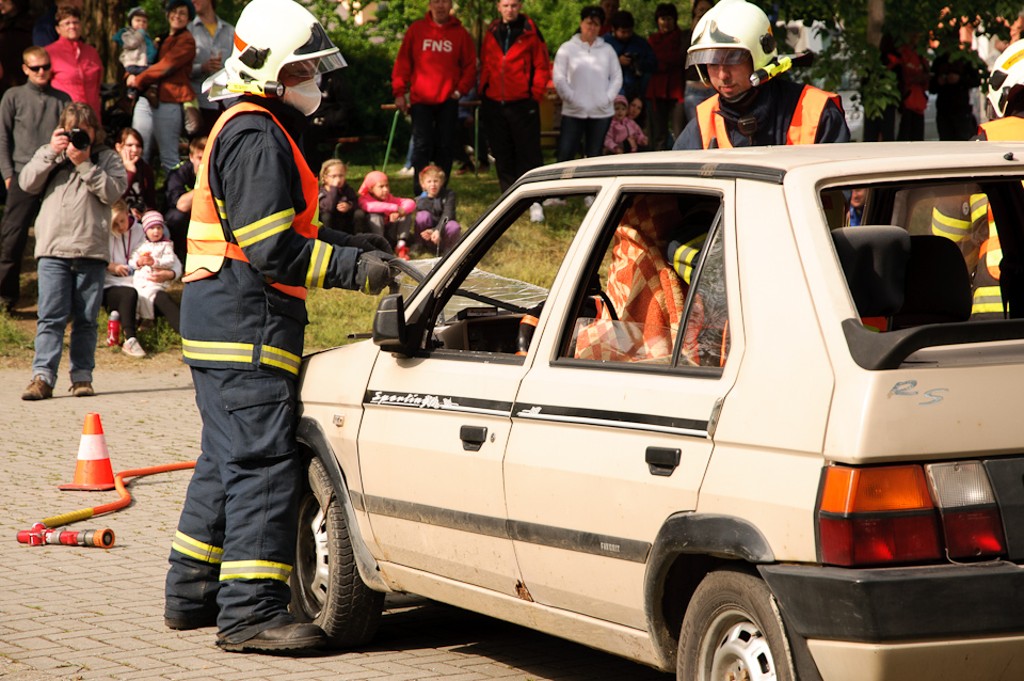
x=137, y=49
x=624, y=135
x=153, y=255
x=387, y=215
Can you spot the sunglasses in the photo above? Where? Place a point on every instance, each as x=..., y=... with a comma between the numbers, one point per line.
x=37, y=69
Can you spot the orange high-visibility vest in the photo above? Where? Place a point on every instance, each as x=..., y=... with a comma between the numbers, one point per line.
x=803, y=127
x=207, y=245
x=1009, y=129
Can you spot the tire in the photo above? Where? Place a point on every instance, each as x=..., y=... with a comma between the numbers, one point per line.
x=732, y=630
x=326, y=587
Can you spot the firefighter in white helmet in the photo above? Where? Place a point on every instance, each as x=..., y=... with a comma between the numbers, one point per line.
x=1006, y=97
x=254, y=248
x=734, y=50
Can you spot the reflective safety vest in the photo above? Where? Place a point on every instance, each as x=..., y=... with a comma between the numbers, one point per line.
x=956, y=228
x=207, y=243
x=988, y=298
x=1009, y=129
x=803, y=127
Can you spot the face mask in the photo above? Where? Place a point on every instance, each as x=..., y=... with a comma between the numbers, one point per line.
x=305, y=97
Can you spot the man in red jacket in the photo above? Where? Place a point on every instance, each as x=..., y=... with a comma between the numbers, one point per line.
x=436, y=65
x=514, y=71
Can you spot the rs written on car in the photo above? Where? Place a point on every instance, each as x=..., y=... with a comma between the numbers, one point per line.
x=716, y=429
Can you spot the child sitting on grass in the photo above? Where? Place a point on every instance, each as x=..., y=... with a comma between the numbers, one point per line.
x=338, y=201
x=156, y=266
x=435, y=230
x=386, y=214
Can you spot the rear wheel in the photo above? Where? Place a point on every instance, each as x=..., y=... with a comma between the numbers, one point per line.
x=326, y=587
x=732, y=631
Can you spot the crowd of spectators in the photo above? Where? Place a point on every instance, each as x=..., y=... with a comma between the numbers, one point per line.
x=66, y=161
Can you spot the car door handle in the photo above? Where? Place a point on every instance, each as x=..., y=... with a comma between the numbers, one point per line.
x=473, y=437
x=662, y=460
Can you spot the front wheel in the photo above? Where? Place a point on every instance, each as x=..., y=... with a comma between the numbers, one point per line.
x=732, y=631
x=326, y=587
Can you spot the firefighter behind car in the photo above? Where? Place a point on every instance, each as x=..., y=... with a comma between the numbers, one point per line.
x=734, y=50
x=254, y=248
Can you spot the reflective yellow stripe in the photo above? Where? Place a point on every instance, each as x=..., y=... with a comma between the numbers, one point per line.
x=987, y=299
x=682, y=259
x=282, y=359
x=951, y=228
x=254, y=569
x=205, y=231
x=193, y=548
x=265, y=227
x=979, y=207
x=219, y=205
x=319, y=259
x=216, y=351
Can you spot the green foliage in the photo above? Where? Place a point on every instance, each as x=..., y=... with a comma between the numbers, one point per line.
x=13, y=341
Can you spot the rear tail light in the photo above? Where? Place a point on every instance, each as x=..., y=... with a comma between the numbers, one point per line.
x=873, y=516
x=971, y=524
x=890, y=515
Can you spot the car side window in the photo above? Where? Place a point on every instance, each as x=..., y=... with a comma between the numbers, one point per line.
x=492, y=301
x=705, y=338
x=633, y=300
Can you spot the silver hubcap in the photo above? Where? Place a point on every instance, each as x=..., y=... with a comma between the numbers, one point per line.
x=741, y=651
x=318, y=579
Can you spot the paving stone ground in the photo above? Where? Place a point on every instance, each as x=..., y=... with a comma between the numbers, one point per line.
x=69, y=613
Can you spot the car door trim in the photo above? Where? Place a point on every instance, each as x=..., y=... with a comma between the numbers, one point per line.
x=631, y=550
x=612, y=419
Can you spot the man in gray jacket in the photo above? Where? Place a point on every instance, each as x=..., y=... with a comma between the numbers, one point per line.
x=28, y=115
x=79, y=178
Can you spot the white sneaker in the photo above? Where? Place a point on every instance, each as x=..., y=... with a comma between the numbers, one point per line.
x=588, y=200
x=536, y=213
x=132, y=348
x=406, y=172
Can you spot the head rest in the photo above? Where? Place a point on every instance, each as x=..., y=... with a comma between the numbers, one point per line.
x=874, y=260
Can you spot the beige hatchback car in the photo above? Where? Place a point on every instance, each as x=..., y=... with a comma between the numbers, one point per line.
x=732, y=426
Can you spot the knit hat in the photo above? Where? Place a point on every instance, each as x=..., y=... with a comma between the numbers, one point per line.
x=620, y=99
x=152, y=218
x=372, y=179
x=136, y=12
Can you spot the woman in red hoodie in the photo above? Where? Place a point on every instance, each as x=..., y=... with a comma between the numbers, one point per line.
x=436, y=65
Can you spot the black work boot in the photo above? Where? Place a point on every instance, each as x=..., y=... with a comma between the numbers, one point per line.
x=283, y=640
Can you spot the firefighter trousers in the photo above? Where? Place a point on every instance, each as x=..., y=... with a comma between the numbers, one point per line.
x=235, y=543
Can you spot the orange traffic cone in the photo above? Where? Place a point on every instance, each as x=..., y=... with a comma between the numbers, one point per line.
x=93, y=472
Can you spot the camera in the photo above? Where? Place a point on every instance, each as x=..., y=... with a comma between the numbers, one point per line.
x=79, y=139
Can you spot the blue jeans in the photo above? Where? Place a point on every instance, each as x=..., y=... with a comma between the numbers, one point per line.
x=165, y=124
x=575, y=129
x=68, y=288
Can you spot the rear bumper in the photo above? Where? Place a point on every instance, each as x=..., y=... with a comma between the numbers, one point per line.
x=884, y=605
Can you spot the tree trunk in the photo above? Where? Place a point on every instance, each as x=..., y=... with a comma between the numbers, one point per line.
x=100, y=20
x=876, y=17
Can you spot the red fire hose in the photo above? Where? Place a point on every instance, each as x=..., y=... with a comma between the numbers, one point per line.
x=42, y=532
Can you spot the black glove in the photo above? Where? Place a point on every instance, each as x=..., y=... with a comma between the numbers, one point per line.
x=373, y=272
x=370, y=242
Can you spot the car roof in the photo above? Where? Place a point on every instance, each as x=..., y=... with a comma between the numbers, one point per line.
x=771, y=164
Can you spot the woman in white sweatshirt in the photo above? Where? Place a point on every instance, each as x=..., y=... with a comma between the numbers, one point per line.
x=587, y=77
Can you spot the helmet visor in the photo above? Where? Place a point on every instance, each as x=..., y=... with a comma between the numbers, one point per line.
x=318, y=48
x=717, y=55
x=297, y=72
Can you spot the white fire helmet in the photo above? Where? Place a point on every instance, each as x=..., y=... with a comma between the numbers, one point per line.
x=728, y=33
x=279, y=50
x=1007, y=77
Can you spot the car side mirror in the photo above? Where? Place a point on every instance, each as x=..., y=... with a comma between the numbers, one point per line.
x=389, y=330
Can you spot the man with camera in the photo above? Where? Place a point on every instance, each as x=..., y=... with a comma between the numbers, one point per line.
x=28, y=114
x=78, y=179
